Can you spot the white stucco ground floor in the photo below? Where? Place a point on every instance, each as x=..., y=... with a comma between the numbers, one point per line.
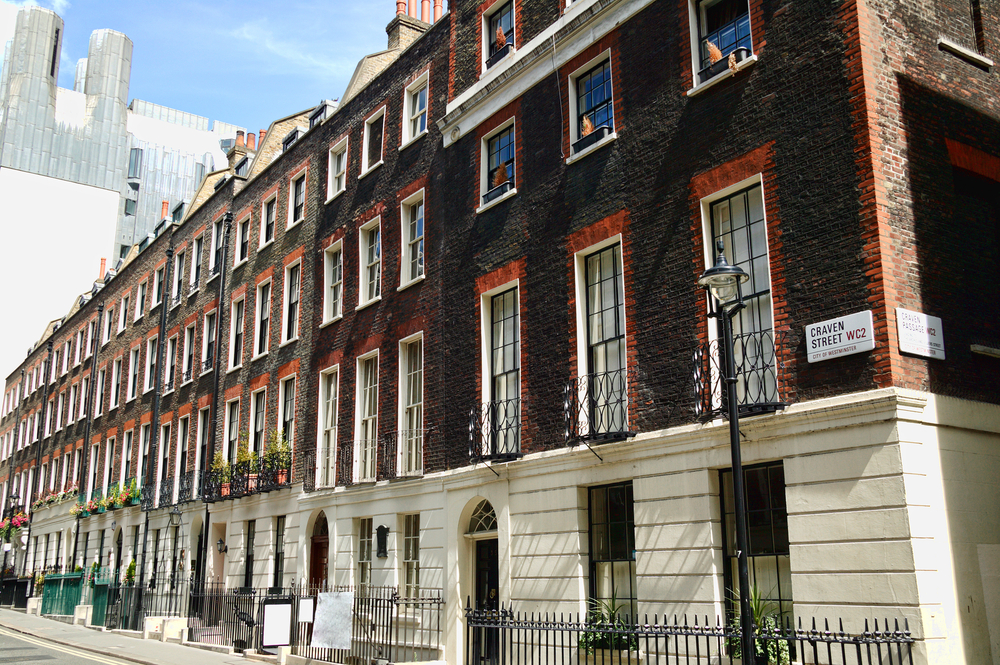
x=879, y=504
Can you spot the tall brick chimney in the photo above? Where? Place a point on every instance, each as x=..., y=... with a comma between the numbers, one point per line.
x=403, y=30
x=104, y=265
x=251, y=142
x=163, y=209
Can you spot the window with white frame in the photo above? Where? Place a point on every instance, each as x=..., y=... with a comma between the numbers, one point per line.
x=258, y=419
x=337, y=169
x=215, y=265
x=201, y=441
x=242, y=240
x=141, y=469
x=101, y=378
x=232, y=433
x=158, y=286
x=71, y=405
x=126, y=465
x=164, y=474
x=290, y=329
x=736, y=217
x=78, y=352
x=371, y=154
x=133, y=377
x=411, y=426
x=592, y=113
x=109, y=460
x=236, y=334
x=720, y=35
x=152, y=350
x=196, y=253
x=498, y=167
x=602, y=389
x=297, y=200
x=123, y=313
x=181, y=456
x=187, y=366
x=140, y=300
x=262, y=328
x=116, y=383
x=286, y=409
x=411, y=555
x=501, y=418
x=365, y=552
x=178, y=289
x=370, y=251
x=59, y=410
x=415, y=109
x=91, y=337
x=333, y=269
x=412, y=236
x=208, y=347
x=84, y=393
x=498, y=32
x=171, y=363
x=269, y=212
x=367, y=417
x=326, y=468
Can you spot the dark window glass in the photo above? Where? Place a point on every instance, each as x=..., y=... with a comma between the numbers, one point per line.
x=503, y=19
x=501, y=155
x=269, y=210
x=299, y=198
x=612, y=546
x=593, y=98
x=375, y=141
x=726, y=25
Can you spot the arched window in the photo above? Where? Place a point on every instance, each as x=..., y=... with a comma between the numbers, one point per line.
x=483, y=518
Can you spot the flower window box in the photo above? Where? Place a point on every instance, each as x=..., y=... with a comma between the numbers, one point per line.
x=740, y=54
x=590, y=139
x=496, y=192
x=500, y=54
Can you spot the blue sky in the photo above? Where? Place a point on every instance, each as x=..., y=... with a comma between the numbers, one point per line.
x=245, y=63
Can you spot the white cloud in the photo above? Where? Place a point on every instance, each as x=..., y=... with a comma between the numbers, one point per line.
x=295, y=54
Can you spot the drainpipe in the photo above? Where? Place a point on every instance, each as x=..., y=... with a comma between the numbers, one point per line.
x=155, y=424
x=90, y=419
x=214, y=408
x=38, y=451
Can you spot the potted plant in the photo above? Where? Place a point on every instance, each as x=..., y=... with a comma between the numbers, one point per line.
x=130, y=573
x=246, y=461
x=611, y=633
x=95, y=569
x=98, y=505
x=278, y=456
x=39, y=584
x=500, y=185
x=221, y=472
x=112, y=500
x=133, y=493
x=718, y=62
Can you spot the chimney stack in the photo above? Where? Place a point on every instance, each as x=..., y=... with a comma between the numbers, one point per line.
x=437, y=10
x=251, y=142
x=104, y=263
x=164, y=208
x=239, y=138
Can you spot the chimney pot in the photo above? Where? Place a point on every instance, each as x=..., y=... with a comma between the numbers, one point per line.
x=413, y=8
x=251, y=141
x=163, y=209
x=104, y=263
x=239, y=138
x=425, y=11
x=437, y=10
x=261, y=134
x=400, y=7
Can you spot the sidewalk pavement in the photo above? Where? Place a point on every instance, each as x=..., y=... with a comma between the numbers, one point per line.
x=117, y=645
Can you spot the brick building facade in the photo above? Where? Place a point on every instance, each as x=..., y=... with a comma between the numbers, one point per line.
x=476, y=280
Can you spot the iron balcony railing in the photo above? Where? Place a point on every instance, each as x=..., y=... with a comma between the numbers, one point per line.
x=401, y=453
x=345, y=466
x=166, y=493
x=496, y=636
x=207, y=365
x=596, y=406
x=188, y=486
x=756, y=363
x=187, y=374
x=148, y=501
x=495, y=430
x=256, y=476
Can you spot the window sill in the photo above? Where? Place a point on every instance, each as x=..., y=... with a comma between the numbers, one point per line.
x=504, y=197
x=721, y=76
x=168, y=392
x=413, y=140
x=288, y=341
x=489, y=67
x=154, y=306
x=370, y=169
x=266, y=243
x=403, y=287
x=212, y=277
x=295, y=222
x=331, y=321
x=207, y=371
x=333, y=196
x=592, y=148
x=239, y=263
x=194, y=290
x=137, y=319
x=361, y=306
x=187, y=382
x=968, y=55
x=259, y=356
x=175, y=303
x=234, y=369
x=147, y=390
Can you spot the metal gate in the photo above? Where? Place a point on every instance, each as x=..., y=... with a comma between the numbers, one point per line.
x=224, y=616
x=61, y=593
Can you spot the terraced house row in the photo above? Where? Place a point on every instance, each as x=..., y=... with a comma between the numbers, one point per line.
x=446, y=335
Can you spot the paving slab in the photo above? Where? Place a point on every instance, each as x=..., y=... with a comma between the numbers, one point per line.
x=111, y=643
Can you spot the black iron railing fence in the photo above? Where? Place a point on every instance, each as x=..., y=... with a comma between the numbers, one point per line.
x=400, y=453
x=756, y=362
x=596, y=406
x=504, y=636
x=495, y=430
x=384, y=626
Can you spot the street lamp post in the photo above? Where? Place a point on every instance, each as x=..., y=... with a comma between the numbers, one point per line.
x=724, y=282
x=12, y=508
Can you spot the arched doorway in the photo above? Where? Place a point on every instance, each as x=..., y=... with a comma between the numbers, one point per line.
x=319, y=552
x=483, y=532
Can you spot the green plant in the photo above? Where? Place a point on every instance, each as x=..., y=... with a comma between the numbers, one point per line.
x=95, y=569
x=278, y=454
x=113, y=495
x=130, y=573
x=766, y=620
x=611, y=630
x=39, y=584
x=220, y=467
x=245, y=456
